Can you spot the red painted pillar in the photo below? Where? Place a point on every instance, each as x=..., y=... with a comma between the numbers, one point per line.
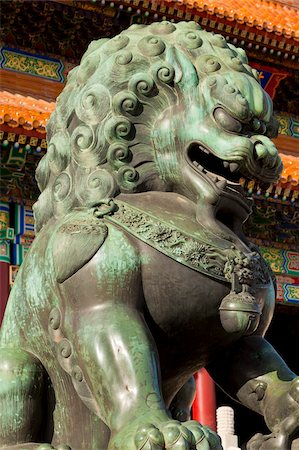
x=204, y=406
x=4, y=287
x=4, y=257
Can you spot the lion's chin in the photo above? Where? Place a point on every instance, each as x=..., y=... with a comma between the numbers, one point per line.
x=225, y=218
x=224, y=211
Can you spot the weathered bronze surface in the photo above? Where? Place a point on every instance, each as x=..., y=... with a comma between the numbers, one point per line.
x=140, y=273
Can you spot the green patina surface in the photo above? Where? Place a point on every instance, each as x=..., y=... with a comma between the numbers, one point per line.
x=140, y=253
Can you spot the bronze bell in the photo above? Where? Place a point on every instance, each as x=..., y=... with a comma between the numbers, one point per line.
x=239, y=312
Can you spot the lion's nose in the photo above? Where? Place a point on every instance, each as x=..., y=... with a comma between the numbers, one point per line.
x=265, y=151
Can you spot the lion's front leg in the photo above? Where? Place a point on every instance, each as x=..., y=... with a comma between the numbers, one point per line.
x=119, y=361
x=111, y=355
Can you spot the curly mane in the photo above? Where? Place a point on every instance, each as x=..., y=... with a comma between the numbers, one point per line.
x=99, y=137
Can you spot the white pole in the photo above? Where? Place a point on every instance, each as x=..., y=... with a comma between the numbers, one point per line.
x=226, y=428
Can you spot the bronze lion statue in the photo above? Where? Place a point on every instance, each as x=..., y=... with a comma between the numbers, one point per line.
x=140, y=273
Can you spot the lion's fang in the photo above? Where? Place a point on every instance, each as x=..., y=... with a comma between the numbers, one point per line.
x=233, y=167
x=221, y=184
x=196, y=164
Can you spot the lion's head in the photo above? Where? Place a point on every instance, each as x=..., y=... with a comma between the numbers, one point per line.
x=166, y=107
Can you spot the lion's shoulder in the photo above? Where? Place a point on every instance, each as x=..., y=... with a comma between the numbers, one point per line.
x=76, y=240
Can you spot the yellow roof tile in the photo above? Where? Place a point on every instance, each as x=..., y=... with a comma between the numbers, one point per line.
x=27, y=112
x=290, y=173
x=282, y=19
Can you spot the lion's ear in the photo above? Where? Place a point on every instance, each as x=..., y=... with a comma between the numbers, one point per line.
x=185, y=73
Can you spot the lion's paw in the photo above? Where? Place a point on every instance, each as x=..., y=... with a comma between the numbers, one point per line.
x=174, y=435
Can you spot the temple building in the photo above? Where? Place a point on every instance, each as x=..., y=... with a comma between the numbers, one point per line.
x=41, y=41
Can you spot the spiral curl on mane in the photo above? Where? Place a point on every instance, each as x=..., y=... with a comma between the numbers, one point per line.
x=96, y=134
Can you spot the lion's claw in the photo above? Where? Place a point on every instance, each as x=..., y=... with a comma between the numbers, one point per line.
x=176, y=434
x=212, y=438
x=149, y=437
x=173, y=435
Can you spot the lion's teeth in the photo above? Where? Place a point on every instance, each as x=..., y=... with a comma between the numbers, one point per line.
x=233, y=167
x=198, y=166
x=203, y=149
x=226, y=164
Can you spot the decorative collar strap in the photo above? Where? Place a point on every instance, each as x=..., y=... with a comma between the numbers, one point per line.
x=228, y=265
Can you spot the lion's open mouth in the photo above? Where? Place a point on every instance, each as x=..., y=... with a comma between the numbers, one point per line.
x=223, y=175
x=233, y=206
x=211, y=165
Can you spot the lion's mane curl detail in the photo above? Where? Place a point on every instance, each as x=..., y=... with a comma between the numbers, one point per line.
x=99, y=137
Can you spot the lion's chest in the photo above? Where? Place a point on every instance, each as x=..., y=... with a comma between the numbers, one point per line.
x=183, y=310
x=180, y=300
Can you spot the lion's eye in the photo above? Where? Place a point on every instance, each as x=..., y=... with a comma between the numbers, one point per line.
x=226, y=121
x=258, y=126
